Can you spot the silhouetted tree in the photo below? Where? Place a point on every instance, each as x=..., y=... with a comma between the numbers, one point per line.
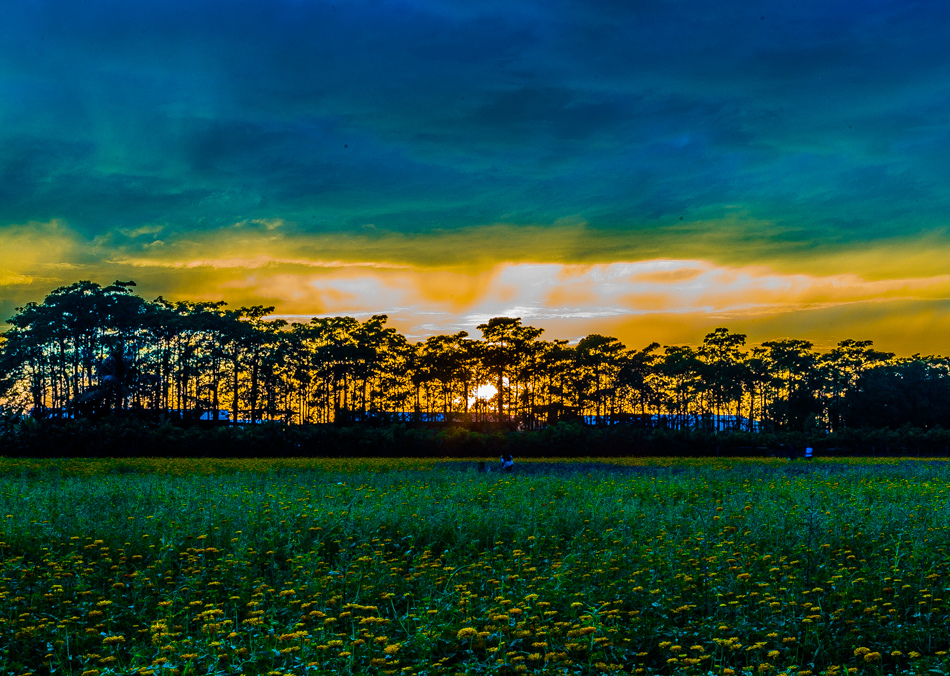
x=599, y=360
x=637, y=377
x=681, y=384
x=506, y=346
x=87, y=349
x=843, y=367
x=792, y=367
x=724, y=374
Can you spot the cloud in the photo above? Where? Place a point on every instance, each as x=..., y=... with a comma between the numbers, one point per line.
x=234, y=150
x=420, y=116
x=432, y=284
x=37, y=252
x=580, y=296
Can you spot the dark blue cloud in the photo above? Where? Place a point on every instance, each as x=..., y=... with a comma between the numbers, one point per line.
x=825, y=118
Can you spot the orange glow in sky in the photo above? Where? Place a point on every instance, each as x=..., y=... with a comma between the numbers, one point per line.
x=670, y=300
x=647, y=170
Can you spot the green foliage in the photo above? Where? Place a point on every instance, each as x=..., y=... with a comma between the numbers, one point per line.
x=686, y=567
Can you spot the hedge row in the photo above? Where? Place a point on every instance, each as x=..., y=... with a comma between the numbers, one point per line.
x=134, y=438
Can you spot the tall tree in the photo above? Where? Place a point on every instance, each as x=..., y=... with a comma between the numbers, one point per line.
x=792, y=366
x=506, y=345
x=599, y=361
x=844, y=366
x=555, y=365
x=913, y=391
x=682, y=384
x=724, y=373
x=637, y=378
x=338, y=355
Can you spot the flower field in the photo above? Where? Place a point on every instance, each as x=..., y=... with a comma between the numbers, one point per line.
x=362, y=566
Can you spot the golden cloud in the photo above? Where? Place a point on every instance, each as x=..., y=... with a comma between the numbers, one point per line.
x=36, y=255
x=558, y=277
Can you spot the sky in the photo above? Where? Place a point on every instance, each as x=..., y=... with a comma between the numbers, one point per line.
x=645, y=169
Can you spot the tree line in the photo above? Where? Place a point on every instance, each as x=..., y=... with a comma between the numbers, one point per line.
x=88, y=350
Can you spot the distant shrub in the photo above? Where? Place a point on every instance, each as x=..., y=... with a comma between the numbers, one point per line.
x=123, y=437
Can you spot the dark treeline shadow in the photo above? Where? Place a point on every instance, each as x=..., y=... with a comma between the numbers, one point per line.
x=130, y=437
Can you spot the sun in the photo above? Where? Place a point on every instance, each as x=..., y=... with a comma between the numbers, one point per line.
x=483, y=392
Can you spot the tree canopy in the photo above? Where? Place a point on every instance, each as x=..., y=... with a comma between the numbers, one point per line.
x=87, y=350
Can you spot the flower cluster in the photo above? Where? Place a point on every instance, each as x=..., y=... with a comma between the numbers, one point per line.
x=276, y=568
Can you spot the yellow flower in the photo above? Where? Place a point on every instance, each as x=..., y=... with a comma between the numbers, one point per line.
x=467, y=632
x=872, y=657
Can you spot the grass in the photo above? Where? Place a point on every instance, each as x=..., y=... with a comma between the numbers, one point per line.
x=428, y=567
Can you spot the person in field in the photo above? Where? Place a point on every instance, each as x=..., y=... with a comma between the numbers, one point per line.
x=507, y=462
